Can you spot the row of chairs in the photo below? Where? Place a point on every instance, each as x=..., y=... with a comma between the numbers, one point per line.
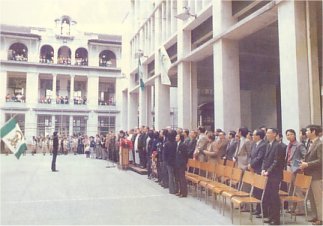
x=228, y=182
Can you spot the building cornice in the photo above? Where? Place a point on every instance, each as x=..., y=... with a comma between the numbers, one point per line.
x=16, y=34
x=22, y=66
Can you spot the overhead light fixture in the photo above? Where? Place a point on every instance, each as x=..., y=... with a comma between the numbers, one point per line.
x=186, y=14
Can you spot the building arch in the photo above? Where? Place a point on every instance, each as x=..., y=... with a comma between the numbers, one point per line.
x=81, y=56
x=64, y=55
x=107, y=58
x=18, y=51
x=46, y=54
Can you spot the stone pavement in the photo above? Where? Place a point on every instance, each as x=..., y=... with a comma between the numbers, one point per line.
x=84, y=191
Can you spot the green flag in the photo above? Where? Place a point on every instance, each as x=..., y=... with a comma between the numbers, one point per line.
x=12, y=136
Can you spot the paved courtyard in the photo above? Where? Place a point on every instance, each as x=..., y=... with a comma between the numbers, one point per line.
x=84, y=191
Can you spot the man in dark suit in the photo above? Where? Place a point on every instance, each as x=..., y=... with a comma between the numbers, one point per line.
x=258, y=150
x=55, y=151
x=312, y=166
x=180, y=166
x=231, y=147
x=272, y=167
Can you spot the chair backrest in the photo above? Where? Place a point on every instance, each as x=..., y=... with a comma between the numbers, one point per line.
x=221, y=162
x=248, y=178
x=236, y=176
x=259, y=181
x=210, y=169
x=302, y=182
x=203, y=167
x=287, y=176
x=227, y=172
x=230, y=163
x=190, y=164
x=219, y=171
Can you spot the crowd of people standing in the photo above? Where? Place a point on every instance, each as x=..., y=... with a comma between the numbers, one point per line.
x=261, y=151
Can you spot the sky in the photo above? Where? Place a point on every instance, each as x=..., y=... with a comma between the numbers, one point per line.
x=98, y=16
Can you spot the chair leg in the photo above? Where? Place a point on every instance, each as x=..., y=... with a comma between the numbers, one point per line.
x=305, y=205
x=240, y=214
x=262, y=213
x=232, y=212
x=251, y=208
x=283, y=212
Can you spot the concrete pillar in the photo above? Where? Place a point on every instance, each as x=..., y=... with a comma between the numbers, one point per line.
x=143, y=106
x=294, y=82
x=162, y=105
x=32, y=84
x=194, y=94
x=92, y=92
x=53, y=124
x=184, y=81
x=30, y=124
x=124, y=110
x=227, y=112
x=3, y=86
x=72, y=89
x=92, y=124
x=54, y=89
x=313, y=61
x=133, y=102
x=184, y=94
x=70, y=125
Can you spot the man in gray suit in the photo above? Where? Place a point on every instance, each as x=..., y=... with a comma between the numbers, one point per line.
x=242, y=154
x=312, y=166
x=201, y=145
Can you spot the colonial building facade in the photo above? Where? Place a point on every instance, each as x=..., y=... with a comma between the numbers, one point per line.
x=233, y=63
x=60, y=79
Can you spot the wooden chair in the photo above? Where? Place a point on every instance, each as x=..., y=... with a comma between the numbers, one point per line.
x=302, y=183
x=191, y=177
x=287, y=178
x=258, y=182
x=209, y=178
x=247, y=179
x=230, y=163
x=233, y=186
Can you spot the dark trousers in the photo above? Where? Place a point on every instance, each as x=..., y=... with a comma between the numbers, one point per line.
x=165, y=182
x=271, y=203
x=54, y=160
x=171, y=179
x=143, y=158
x=181, y=183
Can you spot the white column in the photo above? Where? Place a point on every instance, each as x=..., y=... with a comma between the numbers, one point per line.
x=53, y=124
x=3, y=92
x=312, y=48
x=93, y=92
x=124, y=110
x=32, y=89
x=3, y=87
x=72, y=89
x=71, y=125
x=194, y=100
x=184, y=81
x=294, y=82
x=133, y=103
x=143, y=107
x=30, y=124
x=184, y=95
x=162, y=105
x=227, y=112
x=54, y=89
x=92, y=124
